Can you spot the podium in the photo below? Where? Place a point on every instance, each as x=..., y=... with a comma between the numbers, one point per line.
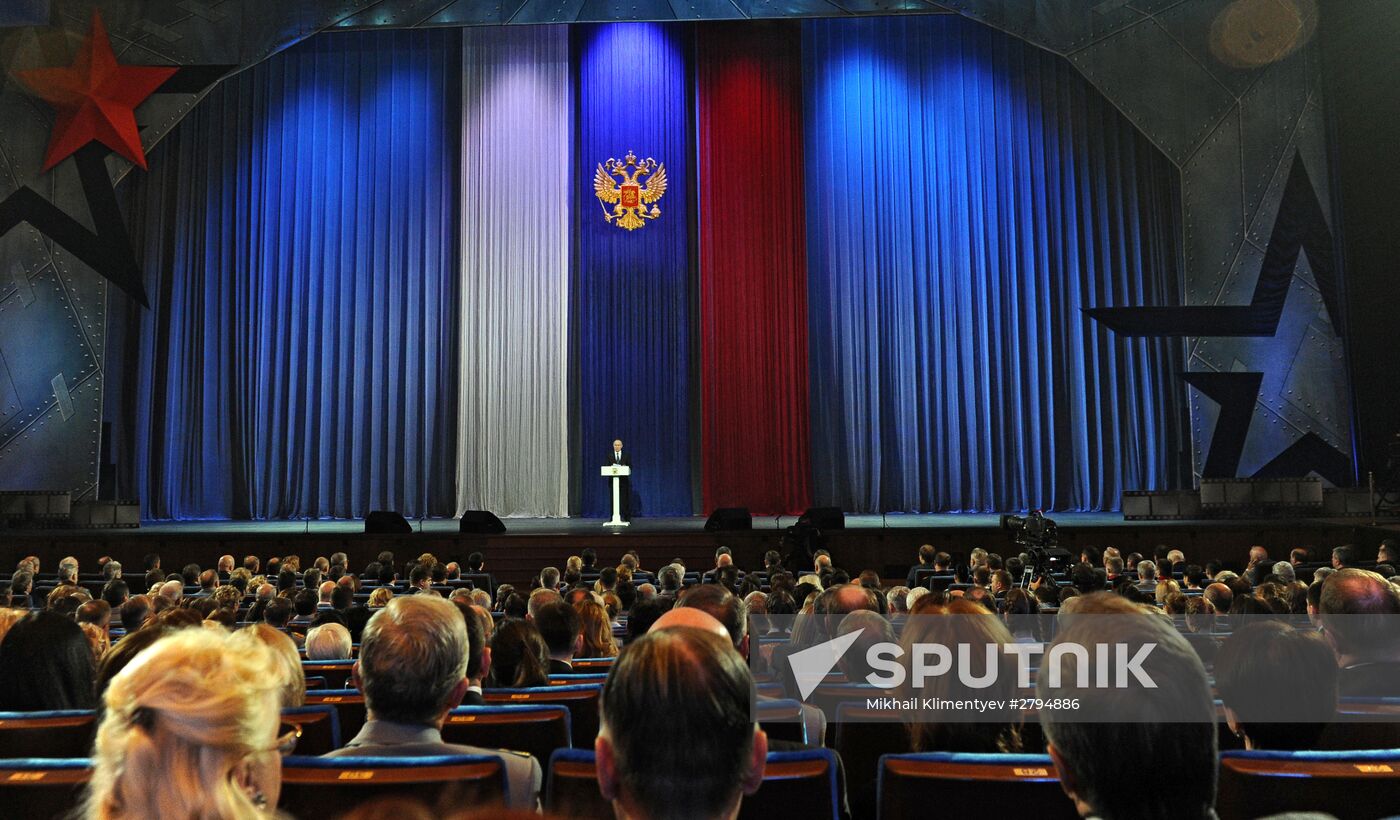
x=616, y=472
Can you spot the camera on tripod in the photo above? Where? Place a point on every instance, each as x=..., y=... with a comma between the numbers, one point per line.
x=1037, y=536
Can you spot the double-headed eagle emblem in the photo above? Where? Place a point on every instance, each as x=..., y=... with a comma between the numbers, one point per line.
x=630, y=198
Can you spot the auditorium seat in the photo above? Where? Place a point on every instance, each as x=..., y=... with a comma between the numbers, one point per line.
x=592, y=665
x=908, y=784
x=328, y=787
x=861, y=737
x=795, y=784
x=318, y=728
x=581, y=700
x=47, y=734
x=538, y=729
x=1357, y=785
x=336, y=673
x=1363, y=723
x=45, y=789
x=782, y=719
x=349, y=707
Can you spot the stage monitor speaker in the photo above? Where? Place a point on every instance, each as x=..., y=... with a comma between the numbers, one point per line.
x=386, y=522
x=729, y=519
x=481, y=522
x=825, y=518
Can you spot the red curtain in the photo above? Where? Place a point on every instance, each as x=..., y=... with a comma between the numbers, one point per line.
x=753, y=269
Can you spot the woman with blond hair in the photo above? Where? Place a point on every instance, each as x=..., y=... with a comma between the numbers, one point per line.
x=598, y=641
x=285, y=665
x=190, y=731
x=380, y=597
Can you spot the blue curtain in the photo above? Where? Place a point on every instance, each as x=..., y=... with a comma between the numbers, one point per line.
x=300, y=239
x=630, y=291
x=967, y=197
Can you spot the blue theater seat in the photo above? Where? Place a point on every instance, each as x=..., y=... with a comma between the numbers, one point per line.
x=42, y=789
x=67, y=733
x=958, y=784
x=328, y=787
x=1348, y=785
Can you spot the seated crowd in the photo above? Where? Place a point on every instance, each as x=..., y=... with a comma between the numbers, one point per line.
x=189, y=671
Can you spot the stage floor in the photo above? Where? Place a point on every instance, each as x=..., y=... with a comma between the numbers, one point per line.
x=696, y=524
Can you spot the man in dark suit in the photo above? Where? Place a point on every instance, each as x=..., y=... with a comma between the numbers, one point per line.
x=413, y=671
x=562, y=630
x=1357, y=611
x=621, y=458
x=478, y=651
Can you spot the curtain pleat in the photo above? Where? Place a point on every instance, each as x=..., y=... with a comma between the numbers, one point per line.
x=967, y=197
x=300, y=234
x=512, y=443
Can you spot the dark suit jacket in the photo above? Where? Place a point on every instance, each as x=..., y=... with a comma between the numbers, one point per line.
x=560, y=667
x=1370, y=680
x=382, y=738
x=626, y=459
x=473, y=698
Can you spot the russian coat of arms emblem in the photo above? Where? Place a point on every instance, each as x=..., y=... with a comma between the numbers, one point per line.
x=629, y=185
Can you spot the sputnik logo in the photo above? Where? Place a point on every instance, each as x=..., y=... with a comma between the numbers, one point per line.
x=811, y=666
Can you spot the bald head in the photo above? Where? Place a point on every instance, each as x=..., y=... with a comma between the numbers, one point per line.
x=1356, y=609
x=692, y=618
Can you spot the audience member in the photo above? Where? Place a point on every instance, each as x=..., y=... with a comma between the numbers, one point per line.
x=689, y=747
x=1357, y=613
x=1279, y=685
x=328, y=642
x=46, y=663
x=413, y=671
x=519, y=657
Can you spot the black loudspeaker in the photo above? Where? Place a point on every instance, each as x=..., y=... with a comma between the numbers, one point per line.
x=481, y=522
x=386, y=522
x=825, y=518
x=728, y=519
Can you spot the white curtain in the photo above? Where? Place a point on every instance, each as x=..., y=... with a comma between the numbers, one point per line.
x=513, y=428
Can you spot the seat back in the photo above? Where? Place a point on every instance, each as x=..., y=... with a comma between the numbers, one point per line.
x=959, y=784
x=538, y=729
x=587, y=665
x=572, y=680
x=42, y=789
x=782, y=720
x=795, y=784
x=572, y=786
x=349, y=707
x=862, y=737
x=581, y=700
x=328, y=787
x=1363, y=723
x=1358, y=784
x=47, y=734
x=318, y=728
x=336, y=673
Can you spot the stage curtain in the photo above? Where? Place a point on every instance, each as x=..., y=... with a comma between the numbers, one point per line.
x=753, y=269
x=512, y=441
x=967, y=197
x=631, y=301
x=299, y=232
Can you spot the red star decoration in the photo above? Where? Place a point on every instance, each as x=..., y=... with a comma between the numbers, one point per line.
x=95, y=98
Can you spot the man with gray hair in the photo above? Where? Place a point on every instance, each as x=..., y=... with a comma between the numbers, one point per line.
x=539, y=599
x=1284, y=570
x=413, y=671
x=1358, y=611
x=172, y=591
x=328, y=642
x=549, y=578
x=111, y=571
x=1147, y=576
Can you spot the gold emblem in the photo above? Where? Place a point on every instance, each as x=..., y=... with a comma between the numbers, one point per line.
x=629, y=197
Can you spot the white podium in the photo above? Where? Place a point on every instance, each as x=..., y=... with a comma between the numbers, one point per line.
x=616, y=472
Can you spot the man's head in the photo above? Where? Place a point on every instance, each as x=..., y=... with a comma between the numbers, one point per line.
x=926, y=555
x=549, y=578
x=690, y=687
x=225, y=564
x=208, y=579
x=1389, y=553
x=541, y=598
x=134, y=612
x=172, y=591
x=1344, y=556
x=617, y=445
x=115, y=592
x=562, y=629
x=725, y=607
x=475, y=562
x=413, y=660
x=1147, y=571
x=111, y=569
x=1356, y=611
x=589, y=557
x=1168, y=730
x=277, y=613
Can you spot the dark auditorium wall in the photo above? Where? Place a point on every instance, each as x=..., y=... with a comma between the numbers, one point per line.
x=1361, y=62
